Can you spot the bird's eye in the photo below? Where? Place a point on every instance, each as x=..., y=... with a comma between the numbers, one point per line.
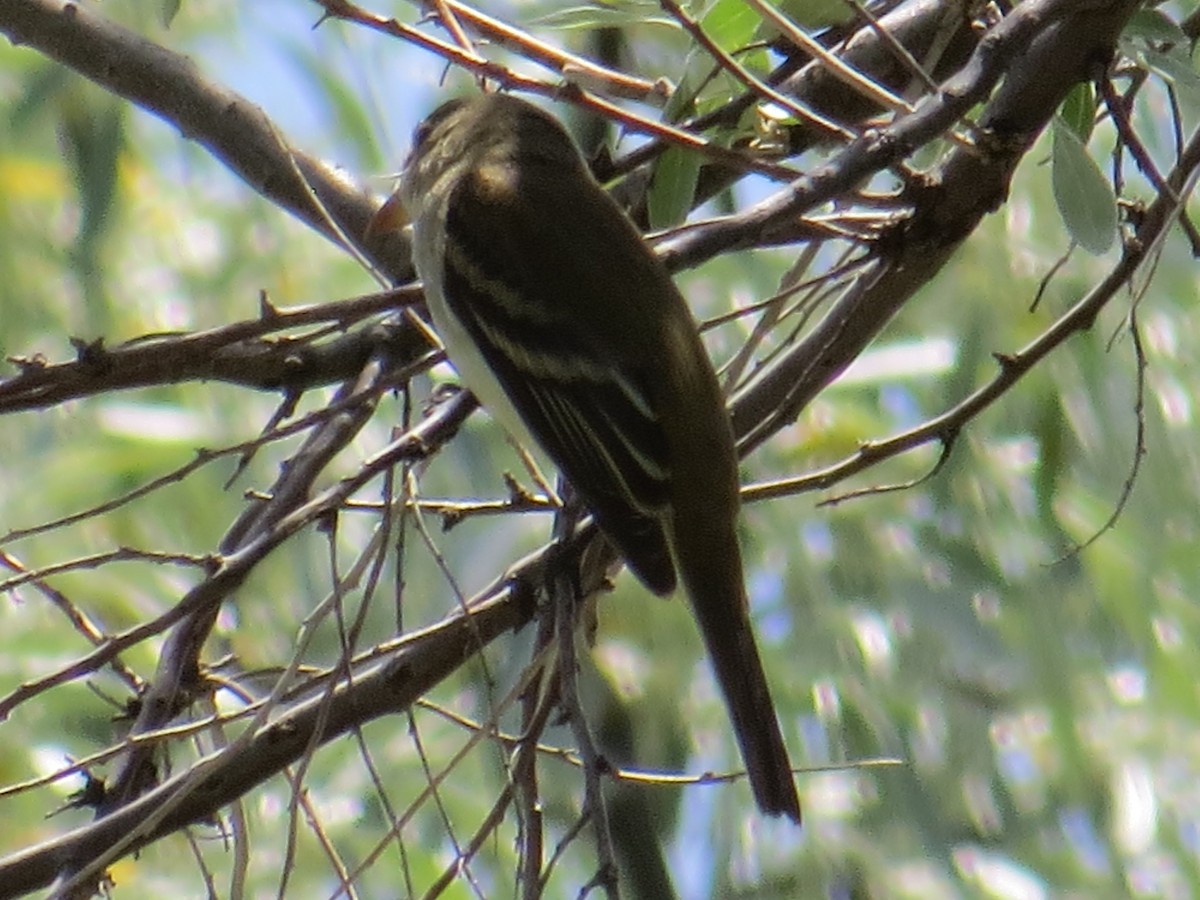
x=422, y=132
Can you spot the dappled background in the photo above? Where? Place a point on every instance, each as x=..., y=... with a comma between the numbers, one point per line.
x=986, y=675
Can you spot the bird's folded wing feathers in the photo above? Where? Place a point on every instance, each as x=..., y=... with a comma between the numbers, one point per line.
x=587, y=410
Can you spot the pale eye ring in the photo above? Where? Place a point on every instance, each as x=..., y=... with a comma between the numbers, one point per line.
x=424, y=130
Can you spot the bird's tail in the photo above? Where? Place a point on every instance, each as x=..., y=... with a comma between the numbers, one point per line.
x=710, y=566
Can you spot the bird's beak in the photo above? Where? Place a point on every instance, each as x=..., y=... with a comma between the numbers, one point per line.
x=389, y=218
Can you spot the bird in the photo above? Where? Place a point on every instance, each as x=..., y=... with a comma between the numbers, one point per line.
x=572, y=334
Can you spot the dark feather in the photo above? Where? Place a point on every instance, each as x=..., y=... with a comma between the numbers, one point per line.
x=598, y=427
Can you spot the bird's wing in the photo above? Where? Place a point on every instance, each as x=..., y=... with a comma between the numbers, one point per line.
x=590, y=410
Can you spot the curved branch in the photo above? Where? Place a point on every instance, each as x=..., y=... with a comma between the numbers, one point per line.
x=238, y=353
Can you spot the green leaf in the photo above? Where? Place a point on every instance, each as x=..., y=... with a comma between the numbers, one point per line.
x=1079, y=110
x=731, y=23
x=168, y=11
x=1084, y=197
x=673, y=187
x=1176, y=67
x=1154, y=25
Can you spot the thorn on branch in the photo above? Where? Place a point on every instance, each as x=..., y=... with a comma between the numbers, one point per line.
x=267, y=311
x=327, y=523
x=284, y=729
x=1009, y=362
x=90, y=796
x=91, y=354
x=525, y=594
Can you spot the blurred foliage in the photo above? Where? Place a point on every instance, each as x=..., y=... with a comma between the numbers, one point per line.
x=1042, y=697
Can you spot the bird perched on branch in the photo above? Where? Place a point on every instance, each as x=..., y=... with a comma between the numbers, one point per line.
x=571, y=332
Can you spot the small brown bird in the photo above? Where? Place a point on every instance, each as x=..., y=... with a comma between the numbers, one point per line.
x=572, y=333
